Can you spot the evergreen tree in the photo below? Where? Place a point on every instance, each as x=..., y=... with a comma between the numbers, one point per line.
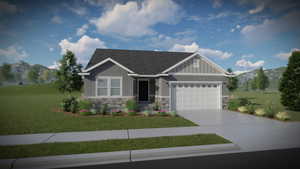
x=262, y=81
x=33, y=74
x=254, y=83
x=232, y=82
x=290, y=83
x=6, y=72
x=68, y=79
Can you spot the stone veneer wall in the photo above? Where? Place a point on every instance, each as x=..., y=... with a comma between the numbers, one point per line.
x=113, y=103
x=225, y=100
x=163, y=102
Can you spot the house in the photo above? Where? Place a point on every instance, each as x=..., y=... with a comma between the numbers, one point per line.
x=176, y=80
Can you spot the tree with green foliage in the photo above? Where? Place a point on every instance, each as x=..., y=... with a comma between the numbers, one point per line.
x=68, y=79
x=232, y=81
x=33, y=74
x=6, y=72
x=262, y=81
x=290, y=83
x=254, y=83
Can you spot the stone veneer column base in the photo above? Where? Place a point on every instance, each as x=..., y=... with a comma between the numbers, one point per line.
x=163, y=102
x=113, y=103
x=225, y=100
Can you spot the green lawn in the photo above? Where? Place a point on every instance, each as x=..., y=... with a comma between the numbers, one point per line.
x=264, y=98
x=108, y=145
x=33, y=109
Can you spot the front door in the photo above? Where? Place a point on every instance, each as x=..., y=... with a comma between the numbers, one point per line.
x=143, y=90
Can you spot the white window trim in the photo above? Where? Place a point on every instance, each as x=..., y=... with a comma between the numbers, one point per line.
x=196, y=62
x=108, y=78
x=104, y=61
x=138, y=93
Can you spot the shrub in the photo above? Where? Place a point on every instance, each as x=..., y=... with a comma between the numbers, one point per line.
x=270, y=110
x=93, y=111
x=233, y=104
x=84, y=112
x=104, y=109
x=250, y=108
x=132, y=113
x=156, y=106
x=172, y=113
x=162, y=113
x=115, y=112
x=147, y=113
x=131, y=105
x=243, y=109
x=244, y=101
x=282, y=116
x=70, y=104
x=260, y=112
x=85, y=104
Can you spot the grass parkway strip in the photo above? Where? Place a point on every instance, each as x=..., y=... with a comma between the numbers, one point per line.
x=48, y=149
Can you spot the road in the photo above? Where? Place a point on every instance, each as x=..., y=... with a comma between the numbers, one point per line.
x=286, y=158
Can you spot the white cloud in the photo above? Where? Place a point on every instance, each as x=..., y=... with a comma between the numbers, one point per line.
x=7, y=8
x=56, y=19
x=222, y=15
x=238, y=26
x=82, y=30
x=134, y=19
x=12, y=54
x=258, y=9
x=83, y=48
x=79, y=10
x=271, y=27
x=55, y=65
x=202, y=51
x=248, y=64
x=217, y=3
x=167, y=42
x=286, y=55
x=51, y=49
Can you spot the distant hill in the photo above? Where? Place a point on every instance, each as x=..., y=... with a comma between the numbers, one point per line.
x=274, y=76
x=20, y=71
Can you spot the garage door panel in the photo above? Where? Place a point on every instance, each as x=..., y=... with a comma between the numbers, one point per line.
x=196, y=96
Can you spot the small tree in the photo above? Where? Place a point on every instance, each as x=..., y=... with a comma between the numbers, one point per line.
x=262, y=81
x=290, y=83
x=254, y=83
x=232, y=82
x=6, y=72
x=33, y=74
x=67, y=76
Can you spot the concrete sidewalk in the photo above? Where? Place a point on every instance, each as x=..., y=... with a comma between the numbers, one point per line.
x=98, y=135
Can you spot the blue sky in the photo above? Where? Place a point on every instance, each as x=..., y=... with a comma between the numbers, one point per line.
x=242, y=35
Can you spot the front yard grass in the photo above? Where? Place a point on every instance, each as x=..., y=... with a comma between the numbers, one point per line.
x=33, y=109
x=262, y=99
x=48, y=149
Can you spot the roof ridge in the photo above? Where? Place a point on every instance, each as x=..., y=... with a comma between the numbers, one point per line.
x=137, y=50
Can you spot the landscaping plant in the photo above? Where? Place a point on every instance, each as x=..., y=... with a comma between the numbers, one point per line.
x=84, y=104
x=172, y=113
x=162, y=113
x=147, y=113
x=282, y=116
x=233, y=104
x=84, y=112
x=260, y=112
x=70, y=104
x=104, y=109
x=243, y=109
x=250, y=108
x=132, y=113
x=115, y=112
x=131, y=105
x=270, y=110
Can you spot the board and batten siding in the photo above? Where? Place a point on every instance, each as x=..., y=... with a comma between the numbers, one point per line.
x=164, y=85
x=188, y=67
x=108, y=69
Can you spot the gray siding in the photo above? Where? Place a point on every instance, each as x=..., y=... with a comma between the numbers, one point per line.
x=187, y=67
x=108, y=69
x=164, y=87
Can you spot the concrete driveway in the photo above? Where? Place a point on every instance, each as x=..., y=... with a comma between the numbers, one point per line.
x=250, y=132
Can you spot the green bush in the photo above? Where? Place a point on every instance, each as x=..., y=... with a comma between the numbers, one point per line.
x=131, y=105
x=270, y=110
x=70, y=104
x=162, y=113
x=172, y=113
x=104, y=109
x=156, y=106
x=147, y=113
x=260, y=112
x=85, y=104
x=244, y=101
x=243, y=109
x=233, y=104
x=250, y=108
x=93, y=111
x=115, y=112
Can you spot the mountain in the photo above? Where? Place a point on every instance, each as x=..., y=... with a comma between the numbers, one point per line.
x=274, y=76
x=20, y=70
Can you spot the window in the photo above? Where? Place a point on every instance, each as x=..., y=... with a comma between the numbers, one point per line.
x=109, y=86
x=196, y=63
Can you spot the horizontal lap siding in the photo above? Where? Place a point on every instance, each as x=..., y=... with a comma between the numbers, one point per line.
x=108, y=69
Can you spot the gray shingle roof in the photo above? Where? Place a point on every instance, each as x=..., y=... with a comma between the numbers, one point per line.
x=139, y=61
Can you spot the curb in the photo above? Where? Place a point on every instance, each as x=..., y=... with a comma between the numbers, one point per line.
x=77, y=160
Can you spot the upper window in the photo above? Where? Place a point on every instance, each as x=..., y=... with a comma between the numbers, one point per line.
x=196, y=63
x=109, y=86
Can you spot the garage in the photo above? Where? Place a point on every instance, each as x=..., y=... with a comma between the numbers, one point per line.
x=195, y=95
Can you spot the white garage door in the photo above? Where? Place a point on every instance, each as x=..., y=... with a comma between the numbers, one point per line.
x=193, y=96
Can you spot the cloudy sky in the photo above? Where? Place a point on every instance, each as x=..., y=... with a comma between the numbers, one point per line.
x=240, y=34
